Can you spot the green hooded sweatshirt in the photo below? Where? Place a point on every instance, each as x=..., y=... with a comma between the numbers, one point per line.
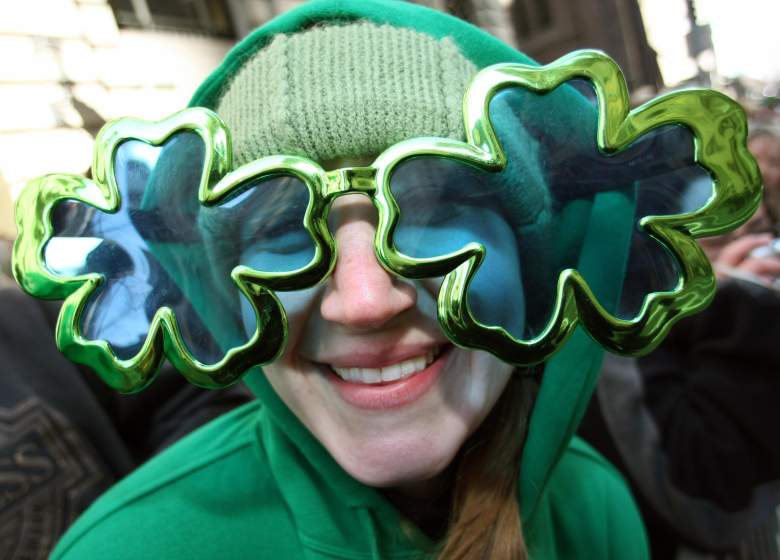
x=256, y=484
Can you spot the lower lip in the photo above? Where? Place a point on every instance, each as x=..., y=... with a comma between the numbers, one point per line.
x=393, y=394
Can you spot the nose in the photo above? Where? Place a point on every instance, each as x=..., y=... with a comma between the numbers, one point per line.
x=360, y=294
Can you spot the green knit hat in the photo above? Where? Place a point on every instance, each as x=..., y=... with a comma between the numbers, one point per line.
x=344, y=90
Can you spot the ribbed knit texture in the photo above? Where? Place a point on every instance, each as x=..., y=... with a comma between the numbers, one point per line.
x=345, y=90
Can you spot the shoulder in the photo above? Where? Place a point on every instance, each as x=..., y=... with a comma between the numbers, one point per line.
x=590, y=504
x=211, y=482
x=579, y=461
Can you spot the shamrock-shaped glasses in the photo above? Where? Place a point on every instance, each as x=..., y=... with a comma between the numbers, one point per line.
x=560, y=208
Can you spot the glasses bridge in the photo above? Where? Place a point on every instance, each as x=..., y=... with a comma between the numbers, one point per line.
x=349, y=180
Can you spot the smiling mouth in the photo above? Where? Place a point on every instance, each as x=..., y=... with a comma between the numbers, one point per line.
x=391, y=386
x=389, y=373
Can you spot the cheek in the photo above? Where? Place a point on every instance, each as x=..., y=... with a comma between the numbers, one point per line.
x=298, y=308
x=477, y=381
x=295, y=384
x=495, y=294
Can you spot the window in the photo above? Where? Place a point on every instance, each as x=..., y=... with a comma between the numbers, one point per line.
x=210, y=17
x=531, y=17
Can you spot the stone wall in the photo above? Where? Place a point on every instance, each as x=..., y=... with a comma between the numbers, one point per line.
x=66, y=68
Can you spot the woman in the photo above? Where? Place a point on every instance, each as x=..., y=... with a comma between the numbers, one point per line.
x=374, y=436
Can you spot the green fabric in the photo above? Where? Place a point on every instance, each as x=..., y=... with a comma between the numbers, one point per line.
x=344, y=91
x=257, y=484
x=242, y=488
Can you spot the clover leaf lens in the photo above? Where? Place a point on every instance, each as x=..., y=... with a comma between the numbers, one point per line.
x=162, y=248
x=531, y=216
x=655, y=175
x=146, y=251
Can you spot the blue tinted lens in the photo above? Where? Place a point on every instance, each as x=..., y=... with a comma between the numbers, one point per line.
x=144, y=251
x=262, y=227
x=162, y=248
x=531, y=216
x=444, y=205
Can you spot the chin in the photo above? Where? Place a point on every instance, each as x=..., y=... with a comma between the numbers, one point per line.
x=392, y=462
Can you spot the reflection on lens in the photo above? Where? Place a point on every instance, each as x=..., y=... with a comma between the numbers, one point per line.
x=445, y=205
x=262, y=227
x=531, y=216
x=149, y=252
x=67, y=256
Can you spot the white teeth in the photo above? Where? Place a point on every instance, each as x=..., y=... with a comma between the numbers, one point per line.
x=391, y=373
x=372, y=376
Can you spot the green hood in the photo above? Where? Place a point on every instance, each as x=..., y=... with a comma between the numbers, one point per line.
x=570, y=376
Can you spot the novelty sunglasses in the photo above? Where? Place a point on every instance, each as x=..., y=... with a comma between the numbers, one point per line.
x=560, y=209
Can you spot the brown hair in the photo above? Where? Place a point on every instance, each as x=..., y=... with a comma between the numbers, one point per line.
x=485, y=516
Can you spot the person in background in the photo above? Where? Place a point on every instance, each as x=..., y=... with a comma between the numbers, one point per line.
x=743, y=253
x=764, y=144
x=65, y=437
x=693, y=425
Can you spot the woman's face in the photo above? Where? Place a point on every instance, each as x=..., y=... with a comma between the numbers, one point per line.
x=368, y=370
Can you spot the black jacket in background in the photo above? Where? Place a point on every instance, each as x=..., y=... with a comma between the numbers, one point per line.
x=65, y=437
x=695, y=426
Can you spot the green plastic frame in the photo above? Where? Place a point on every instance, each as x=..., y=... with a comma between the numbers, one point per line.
x=717, y=123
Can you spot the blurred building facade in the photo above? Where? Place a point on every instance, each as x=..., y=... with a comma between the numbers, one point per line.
x=548, y=29
x=67, y=66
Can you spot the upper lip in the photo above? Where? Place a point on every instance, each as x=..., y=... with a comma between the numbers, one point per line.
x=377, y=357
